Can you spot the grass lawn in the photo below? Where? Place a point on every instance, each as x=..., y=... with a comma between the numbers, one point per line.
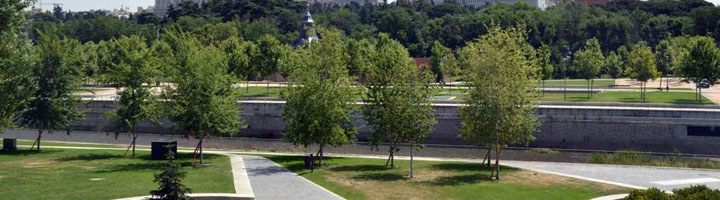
x=99, y=174
x=259, y=91
x=629, y=97
x=359, y=178
x=576, y=82
x=636, y=158
x=68, y=144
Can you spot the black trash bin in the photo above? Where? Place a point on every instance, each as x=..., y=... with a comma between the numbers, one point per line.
x=308, y=161
x=160, y=150
x=9, y=144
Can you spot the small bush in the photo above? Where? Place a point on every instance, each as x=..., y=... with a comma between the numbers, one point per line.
x=698, y=192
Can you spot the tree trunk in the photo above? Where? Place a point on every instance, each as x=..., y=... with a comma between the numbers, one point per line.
x=320, y=155
x=135, y=135
x=412, y=149
x=268, y=88
x=200, y=145
x=40, y=132
x=497, y=162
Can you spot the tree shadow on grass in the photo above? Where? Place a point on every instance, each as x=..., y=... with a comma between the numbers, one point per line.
x=27, y=152
x=90, y=157
x=359, y=168
x=380, y=177
x=459, y=180
x=468, y=167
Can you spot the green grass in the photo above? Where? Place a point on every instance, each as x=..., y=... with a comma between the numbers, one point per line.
x=636, y=158
x=67, y=174
x=260, y=91
x=358, y=178
x=576, y=82
x=629, y=97
x=67, y=144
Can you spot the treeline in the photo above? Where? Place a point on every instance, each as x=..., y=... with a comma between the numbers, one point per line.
x=418, y=24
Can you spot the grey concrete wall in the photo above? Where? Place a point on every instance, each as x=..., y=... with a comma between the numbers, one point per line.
x=657, y=129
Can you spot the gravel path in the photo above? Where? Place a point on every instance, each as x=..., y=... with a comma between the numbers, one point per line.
x=270, y=181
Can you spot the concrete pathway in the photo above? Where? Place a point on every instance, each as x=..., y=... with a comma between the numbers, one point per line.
x=271, y=181
x=638, y=177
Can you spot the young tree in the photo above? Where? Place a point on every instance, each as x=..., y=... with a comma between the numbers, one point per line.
x=16, y=52
x=588, y=62
x=320, y=97
x=502, y=79
x=397, y=99
x=360, y=52
x=702, y=64
x=170, y=181
x=642, y=66
x=614, y=65
x=270, y=57
x=239, y=54
x=442, y=60
x=663, y=54
x=131, y=65
x=547, y=69
x=56, y=76
x=203, y=101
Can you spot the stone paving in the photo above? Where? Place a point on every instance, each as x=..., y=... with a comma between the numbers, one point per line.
x=270, y=181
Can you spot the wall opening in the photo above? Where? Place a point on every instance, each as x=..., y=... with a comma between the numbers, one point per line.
x=706, y=131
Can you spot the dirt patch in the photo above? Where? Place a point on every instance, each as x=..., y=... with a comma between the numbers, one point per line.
x=37, y=163
x=526, y=177
x=1, y=177
x=96, y=179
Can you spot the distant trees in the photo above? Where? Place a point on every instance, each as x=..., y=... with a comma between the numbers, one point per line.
x=203, y=102
x=614, y=65
x=133, y=68
x=546, y=66
x=588, y=62
x=56, y=76
x=702, y=64
x=319, y=97
x=641, y=66
x=502, y=78
x=442, y=61
x=397, y=95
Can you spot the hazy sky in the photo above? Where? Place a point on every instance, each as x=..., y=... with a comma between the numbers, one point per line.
x=84, y=5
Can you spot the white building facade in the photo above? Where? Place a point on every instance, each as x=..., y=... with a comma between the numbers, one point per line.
x=161, y=6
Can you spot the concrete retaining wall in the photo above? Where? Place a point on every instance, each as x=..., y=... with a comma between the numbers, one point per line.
x=658, y=129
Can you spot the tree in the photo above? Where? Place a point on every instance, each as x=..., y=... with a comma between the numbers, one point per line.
x=702, y=65
x=642, y=66
x=320, y=97
x=132, y=67
x=203, y=101
x=56, y=76
x=442, y=60
x=360, y=52
x=397, y=106
x=502, y=79
x=269, y=58
x=588, y=61
x=170, y=181
x=547, y=69
x=613, y=65
x=239, y=55
x=663, y=54
x=15, y=55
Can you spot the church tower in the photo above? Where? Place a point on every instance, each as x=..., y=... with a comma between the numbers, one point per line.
x=307, y=31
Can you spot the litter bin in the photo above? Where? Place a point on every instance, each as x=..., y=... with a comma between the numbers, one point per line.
x=160, y=150
x=9, y=144
x=308, y=161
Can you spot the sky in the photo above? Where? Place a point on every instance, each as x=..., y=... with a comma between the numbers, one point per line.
x=85, y=5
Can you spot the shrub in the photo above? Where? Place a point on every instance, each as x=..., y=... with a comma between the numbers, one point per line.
x=698, y=192
x=170, y=181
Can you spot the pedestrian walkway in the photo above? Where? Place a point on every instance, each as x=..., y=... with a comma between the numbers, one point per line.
x=271, y=181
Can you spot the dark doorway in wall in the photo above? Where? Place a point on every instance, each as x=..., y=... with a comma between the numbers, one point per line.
x=706, y=131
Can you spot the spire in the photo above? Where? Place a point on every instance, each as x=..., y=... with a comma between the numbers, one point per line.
x=307, y=30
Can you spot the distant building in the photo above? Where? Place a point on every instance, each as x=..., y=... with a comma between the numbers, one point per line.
x=307, y=31
x=161, y=6
x=542, y=4
x=123, y=12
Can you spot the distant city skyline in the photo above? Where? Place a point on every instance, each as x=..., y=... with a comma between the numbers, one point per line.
x=85, y=5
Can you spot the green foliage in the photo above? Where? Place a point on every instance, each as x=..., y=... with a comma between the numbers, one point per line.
x=203, y=101
x=132, y=66
x=614, y=65
x=56, y=76
x=361, y=52
x=442, y=61
x=547, y=69
x=170, y=181
x=702, y=63
x=589, y=60
x=696, y=192
x=319, y=96
x=397, y=95
x=271, y=56
x=641, y=65
x=15, y=55
x=239, y=54
x=502, y=81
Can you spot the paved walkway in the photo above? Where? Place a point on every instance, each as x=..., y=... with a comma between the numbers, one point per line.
x=270, y=181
